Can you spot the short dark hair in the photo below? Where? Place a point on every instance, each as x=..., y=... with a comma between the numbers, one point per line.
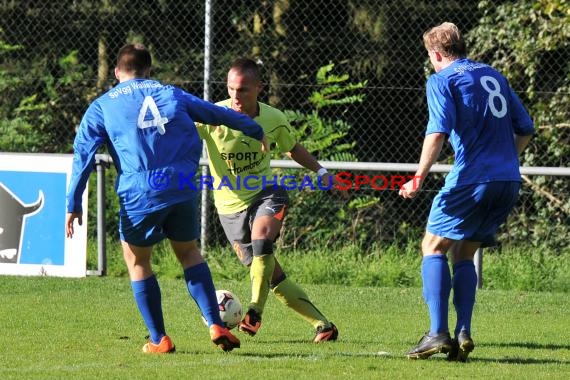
x=247, y=66
x=134, y=58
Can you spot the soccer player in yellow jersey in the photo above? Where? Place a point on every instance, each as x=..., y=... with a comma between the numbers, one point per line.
x=250, y=204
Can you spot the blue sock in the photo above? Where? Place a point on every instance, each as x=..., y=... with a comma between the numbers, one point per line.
x=201, y=287
x=148, y=299
x=437, y=286
x=464, y=288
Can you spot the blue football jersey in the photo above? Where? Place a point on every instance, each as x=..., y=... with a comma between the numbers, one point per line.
x=474, y=104
x=151, y=135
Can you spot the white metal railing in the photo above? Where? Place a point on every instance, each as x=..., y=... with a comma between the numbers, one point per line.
x=103, y=161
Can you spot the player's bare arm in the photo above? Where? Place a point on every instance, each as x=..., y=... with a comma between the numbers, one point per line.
x=302, y=156
x=521, y=142
x=264, y=145
x=433, y=143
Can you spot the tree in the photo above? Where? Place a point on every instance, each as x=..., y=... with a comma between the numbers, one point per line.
x=529, y=41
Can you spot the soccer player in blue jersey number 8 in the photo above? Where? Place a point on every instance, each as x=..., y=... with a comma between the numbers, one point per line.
x=149, y=130
x=473, y=105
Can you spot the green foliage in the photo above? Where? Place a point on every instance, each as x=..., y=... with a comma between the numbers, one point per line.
x=48, y=74
x=325, y=134
x=517, y=37
x=380, y=265
x=390, y=266
x=525, y=40
x=33, y=104
x=15, y=132
x=18, y=135
x=541, y=269
x=336, y=92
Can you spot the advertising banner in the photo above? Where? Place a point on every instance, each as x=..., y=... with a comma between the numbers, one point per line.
x=32, y=217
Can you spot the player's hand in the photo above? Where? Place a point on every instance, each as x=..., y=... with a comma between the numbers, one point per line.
x=410, y=189
x=71, y=216
x=264, y=145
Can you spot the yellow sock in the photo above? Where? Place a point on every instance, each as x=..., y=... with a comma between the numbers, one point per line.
x=291, y=295
x=260, y=273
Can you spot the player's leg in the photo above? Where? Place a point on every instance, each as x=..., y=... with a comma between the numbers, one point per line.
x=267, y=213
x=198, y=279
x=181, y=228
x=238, y=232
x=265, y=217
x=260, y=271
x=436, y=281
x=285, y=290
x=293, y=296
x=464, y=283
x=495, y=201
x=146, y=292
x=138, y=234
x=445, y=225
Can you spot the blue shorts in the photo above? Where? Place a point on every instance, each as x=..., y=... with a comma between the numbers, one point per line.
x=472, y=212
x=179, y=222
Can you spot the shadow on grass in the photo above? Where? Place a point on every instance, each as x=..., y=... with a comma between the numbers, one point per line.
x=519, y=360
x=523, y=360
x=280, y=341
x=275, y=355
x=402, y=356
x=313, y=354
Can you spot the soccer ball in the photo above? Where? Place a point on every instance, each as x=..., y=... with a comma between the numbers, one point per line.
x=230, y=308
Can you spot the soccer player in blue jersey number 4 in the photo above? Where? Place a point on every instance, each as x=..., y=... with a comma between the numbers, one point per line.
x=488, y=128
x=150, y=132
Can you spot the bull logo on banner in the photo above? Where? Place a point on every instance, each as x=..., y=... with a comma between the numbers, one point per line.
x=12, y=223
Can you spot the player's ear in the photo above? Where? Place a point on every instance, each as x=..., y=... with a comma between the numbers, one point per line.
x=438, y=56
x=117, y=74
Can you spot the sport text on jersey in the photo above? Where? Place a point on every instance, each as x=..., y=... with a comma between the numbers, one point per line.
x=254, y=159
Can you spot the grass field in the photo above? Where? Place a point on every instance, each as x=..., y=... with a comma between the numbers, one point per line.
x=525, y=268
x=89, y=328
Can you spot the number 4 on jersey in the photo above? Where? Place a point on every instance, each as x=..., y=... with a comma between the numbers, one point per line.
x=157, y=120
